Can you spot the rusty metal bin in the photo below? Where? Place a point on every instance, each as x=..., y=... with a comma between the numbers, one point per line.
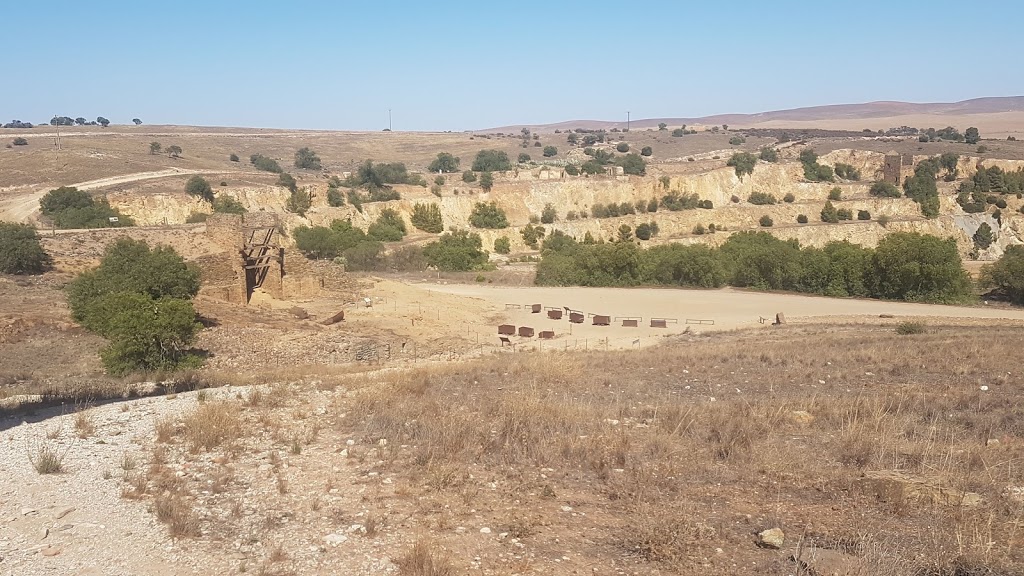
x=547, y=334
x=507, y=330
x=535, y=308
x=555, y=314
x=658, y=323
x=602, y=320
x=526, y=332
x=630, y=323
x=576, y=318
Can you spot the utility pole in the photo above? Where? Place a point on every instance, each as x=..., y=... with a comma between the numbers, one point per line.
x=389, y=119
x=627, y=120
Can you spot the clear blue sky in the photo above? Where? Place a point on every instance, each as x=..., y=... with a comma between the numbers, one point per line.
x=475, y=64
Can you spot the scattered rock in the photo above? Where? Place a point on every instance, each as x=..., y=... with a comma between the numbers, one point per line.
x=50, y=551
x=27, y=511
x=63, y=512
x=485, y=530
x=771, y=538
x=891, y=486
x=335, y=539
x=801, y=417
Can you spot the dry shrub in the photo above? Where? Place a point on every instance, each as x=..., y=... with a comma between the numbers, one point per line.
x=421, y=560
x=179, y=516
x=165, y=429
x=212, y=424
x=657, y=534
x=733, y=428
x=84, y=424
x=47, y=459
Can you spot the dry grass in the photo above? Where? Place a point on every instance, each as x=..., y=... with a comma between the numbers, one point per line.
x=47, y=458
x=785, y=424
x=422, y=560
x=179, y=516
x=212, y=424
x=84, y=424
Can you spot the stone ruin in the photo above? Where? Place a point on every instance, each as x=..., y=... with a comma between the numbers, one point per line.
x=250, y=258
x=897, y=168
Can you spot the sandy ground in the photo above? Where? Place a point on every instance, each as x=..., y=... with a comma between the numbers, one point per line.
x=727, y=308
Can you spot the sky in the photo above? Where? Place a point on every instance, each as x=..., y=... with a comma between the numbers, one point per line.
x=464, y=65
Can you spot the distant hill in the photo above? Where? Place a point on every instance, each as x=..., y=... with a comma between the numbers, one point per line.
x=832, y=116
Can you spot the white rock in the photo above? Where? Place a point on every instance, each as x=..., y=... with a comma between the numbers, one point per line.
x=566, y=508
x=335, y=539
x=984, y=388
x=350, y=442
x=485, y=530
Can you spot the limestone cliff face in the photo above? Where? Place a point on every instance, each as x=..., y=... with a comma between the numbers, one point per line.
x=524, y=193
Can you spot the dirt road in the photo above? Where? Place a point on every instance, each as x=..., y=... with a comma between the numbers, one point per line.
x=727, y=308
x=22, y=207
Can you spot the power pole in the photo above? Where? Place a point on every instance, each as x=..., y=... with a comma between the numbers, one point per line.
x=389, y=119
x=627, y=120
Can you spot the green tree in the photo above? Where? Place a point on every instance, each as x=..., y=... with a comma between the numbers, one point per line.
x=154, y=147
x=835, y=194
x=847, y=171
x=228, y=205
x=261, y=162
x=548, y=215
x=288, y=181
x=427, y=217
x=68, y=207
x=1007, y=274
x=469, y=176
x=743, y=163
x=198, y=187
x=523, y=158
x=863, y=215
x=983, y=236
x=21, y=252
x=971, y=136
x=488, y=215
x=829, y=213
x=622, y=147
x=625, y=233
x=335, y=198
x=491, y=161
x=502, y=245
x=444, y=163
x=662, y=126
x=299, y=201
x=136, y=121
x=921, y=188
x=307, y=159
x=550, y=151
x=456, y=251
x=918, y=268
x=486, y=181
x=801, y=219
x=761, y=199
x=646, y=151
x=102, y=121
x=532, y=235
x=766, y=221
x=233, y=157
x=174, y=150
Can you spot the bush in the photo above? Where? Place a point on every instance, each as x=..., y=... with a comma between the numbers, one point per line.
x=307, y=159
x=835, y=194
x=789, y=198
x=154, y=147
x=921, y=188
x=288, y=181
x=389, y=227
x=769, y=154
x=572, y=170
x=456, y=251
x=737, y=140
x=299, y=201
x=761, y=199
x=908, y=327
x=444, y=163
x=972, y=136
x=801, y=219
x=427, y=217
x=21, y=253
x=233, y=157
x=646, y=151
x=632, y=164
x=488, y=215
x=19, y=141
x=68, y=208
x=622, y=147
x=550, y=151
x=883, y=220
x=863, y=215
x=548, y=215
x=765, y=221
x=523, y=158
x=486, y=181
x=365, y=256
x=919, y=268
x=846, y=171
x=439, y=180
x=844, y=214
x=491, y=161
x=884, y=190
x=261, y=162
x=469, y=176
x=532, y=235
x=197, y=218
x=228, y=205
x=502, y=245
x=645, y=231
x=140, y=301
x=699, y=230
x=197, y=186
x=743, y=163
x=335, y=198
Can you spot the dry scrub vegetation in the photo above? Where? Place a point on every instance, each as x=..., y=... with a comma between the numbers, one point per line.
x=901, y=452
